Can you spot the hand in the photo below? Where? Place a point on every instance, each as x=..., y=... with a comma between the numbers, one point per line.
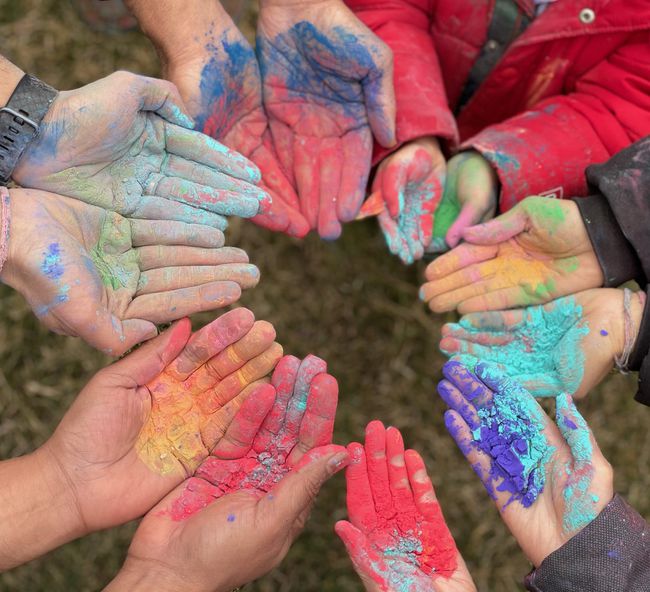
x=226, y=541
x=536, y=252
x=409, y=182
x=568, y=345
x=548, y=480
x=219, y=80
x=107, y=279
x=302, y=418
x=327, y=87
x=397, y=538
x=124, y=143
x=470, y=197
x=161, y=400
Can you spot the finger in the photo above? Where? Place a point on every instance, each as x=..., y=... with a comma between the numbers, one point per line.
x=163, y=98
x=423, y=493
x=154, y=257
x=220, y=201
x=375, y=446
x=153, y=357
x=461, y=257
x=468, y=384
x=397, y=475
x=379, y=96
x=239, y=436
x=455, y=400
x=282, y=218
x=330, y=157
x=493, y=321
x=274, y=176
x=166, y=232
x=225, y=390
x=279, y=141
x=467, y=352
x=470, y=215
x=204, y=150
x=169, y=306
x=283, y=380
x=202, y=175
x=373, y=206
x=208, y=341
x=503, y=299
x=394, y=238
x=498, y=230
x=360, y=502
x=367, y=561
x=538, y=385
x=317, y=425
x=175, y=278
x=306, y=151
x=393, y=187
x=357, y=157
x=151, y=207
x=452, y=333
x=429, y=198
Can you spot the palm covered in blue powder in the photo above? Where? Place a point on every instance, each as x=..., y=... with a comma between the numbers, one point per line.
x=572, y=480
x=567, y=345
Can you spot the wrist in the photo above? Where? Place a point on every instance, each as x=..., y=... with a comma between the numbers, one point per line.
x=10, y=76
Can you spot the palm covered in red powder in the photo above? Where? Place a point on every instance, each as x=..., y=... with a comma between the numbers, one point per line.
x=397, y=538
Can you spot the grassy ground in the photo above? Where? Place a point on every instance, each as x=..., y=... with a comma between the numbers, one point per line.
x=348, y=302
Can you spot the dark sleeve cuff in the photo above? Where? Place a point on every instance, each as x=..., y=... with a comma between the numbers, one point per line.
x=611, y=553
x=616, y=255
x=640, y=360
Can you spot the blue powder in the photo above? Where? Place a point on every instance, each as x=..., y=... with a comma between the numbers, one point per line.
x=604, y=333
x=51, y=265
x=402, y=567
x=542, y=352
x=231, y=518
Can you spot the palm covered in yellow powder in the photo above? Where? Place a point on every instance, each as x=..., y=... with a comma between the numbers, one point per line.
x=91, y=273
x=138, y=428
x=536, y=252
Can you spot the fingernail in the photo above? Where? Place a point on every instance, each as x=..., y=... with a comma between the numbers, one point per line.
x=421, y=294
x=338, y=461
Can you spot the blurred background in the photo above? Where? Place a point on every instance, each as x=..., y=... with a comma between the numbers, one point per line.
x=349, y=302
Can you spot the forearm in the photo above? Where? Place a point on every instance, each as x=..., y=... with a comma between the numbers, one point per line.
x=10, y=76
x=37, y=509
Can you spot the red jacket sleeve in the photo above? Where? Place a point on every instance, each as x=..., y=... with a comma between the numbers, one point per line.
x=546, y=150
x=405, y=26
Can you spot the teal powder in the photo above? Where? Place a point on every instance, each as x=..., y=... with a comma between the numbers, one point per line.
x=542, y=352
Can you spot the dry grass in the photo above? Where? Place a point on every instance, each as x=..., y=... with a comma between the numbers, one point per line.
x=348, y=302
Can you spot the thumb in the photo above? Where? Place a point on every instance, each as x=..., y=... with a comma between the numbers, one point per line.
x=295, y=493
x=162, y=97
x=498, y=230
x=365, y=559
x=153, y=357
x=469, y=215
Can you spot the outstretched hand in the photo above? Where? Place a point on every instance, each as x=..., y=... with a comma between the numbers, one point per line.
x=549, y=480
x=568, y=345
x=397, y=537
x=107, y=279
x=536, y=252
x=327, y=88
x=124, y=144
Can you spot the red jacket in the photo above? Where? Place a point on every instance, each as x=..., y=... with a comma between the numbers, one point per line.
x=567, y=93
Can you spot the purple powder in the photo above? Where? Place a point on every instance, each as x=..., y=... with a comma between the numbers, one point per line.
x=604, y=333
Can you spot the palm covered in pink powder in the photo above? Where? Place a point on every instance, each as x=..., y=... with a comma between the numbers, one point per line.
x=397, y=537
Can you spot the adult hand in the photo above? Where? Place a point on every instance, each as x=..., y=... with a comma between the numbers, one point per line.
x=224, y=542
x=142, y=425
x=568, y=345
x=107, y=279
x=406, y=190
x=533, y=253
x=397, y=537
x=470, y=197
x=124, y=143
x=549, y=480
x=328, y=88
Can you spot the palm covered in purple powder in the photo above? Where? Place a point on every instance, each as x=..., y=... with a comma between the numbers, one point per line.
x=549, y=480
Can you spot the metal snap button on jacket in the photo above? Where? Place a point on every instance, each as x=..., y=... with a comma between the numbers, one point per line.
x=587, y=16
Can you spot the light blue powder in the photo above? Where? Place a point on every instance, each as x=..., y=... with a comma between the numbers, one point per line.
x=542, y=352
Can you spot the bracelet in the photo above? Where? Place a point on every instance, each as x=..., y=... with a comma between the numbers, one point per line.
x=623, y=360
x=5, y=213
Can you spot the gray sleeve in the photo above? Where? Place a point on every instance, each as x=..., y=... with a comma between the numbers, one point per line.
x=611, y=554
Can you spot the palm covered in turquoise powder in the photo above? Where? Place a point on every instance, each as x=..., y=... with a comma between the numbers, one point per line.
x=94, y=274
x=567, y=345
x=577, y=481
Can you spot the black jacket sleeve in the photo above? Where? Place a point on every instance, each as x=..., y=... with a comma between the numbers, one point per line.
x=611, y=554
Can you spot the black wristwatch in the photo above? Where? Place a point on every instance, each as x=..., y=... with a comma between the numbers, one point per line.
x=20, y=121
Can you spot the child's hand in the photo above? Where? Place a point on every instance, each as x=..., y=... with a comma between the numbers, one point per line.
x=533, y=253
x=568, y=345
x=409, y=182
x=549, y=480
x=470, y=197
x=397, y=538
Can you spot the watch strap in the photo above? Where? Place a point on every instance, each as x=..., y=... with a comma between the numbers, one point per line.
x=20, y=120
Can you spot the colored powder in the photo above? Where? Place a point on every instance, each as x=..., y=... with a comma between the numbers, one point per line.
x=51, y=265
x=550, y=211
x=231, y=518
x=511, y=433
x=604, y=333
x=543, y=351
